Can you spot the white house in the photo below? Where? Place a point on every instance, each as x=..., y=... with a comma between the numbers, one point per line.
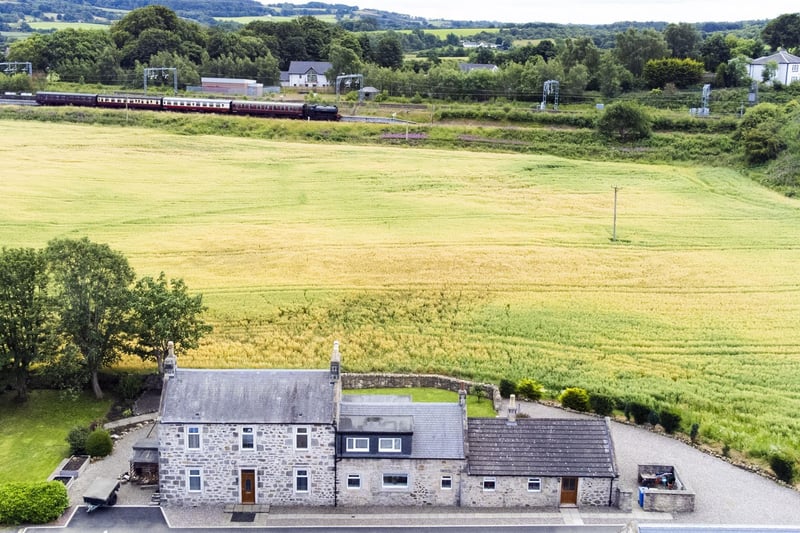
x=307, y=74
x=788, y=67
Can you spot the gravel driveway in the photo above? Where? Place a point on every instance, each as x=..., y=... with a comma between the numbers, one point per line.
x=724, y=494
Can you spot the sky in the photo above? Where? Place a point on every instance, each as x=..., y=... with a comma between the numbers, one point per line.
x=587, y=11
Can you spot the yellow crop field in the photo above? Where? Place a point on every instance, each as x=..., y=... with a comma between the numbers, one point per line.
x=481, y=265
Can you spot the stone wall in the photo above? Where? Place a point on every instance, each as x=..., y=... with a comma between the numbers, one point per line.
x=595, y=492
x=221, y=460
x=668, y=501
x=403, y=381
x=424, y=482
x=510, y=492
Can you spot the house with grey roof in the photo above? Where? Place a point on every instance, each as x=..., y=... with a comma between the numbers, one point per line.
x=290, y=438
x=247, y=436
x=392, y=451
x=307, y=74
x=534, y=462
x=788, y=70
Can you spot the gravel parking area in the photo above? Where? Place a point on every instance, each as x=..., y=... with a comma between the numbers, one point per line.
x=113, y=466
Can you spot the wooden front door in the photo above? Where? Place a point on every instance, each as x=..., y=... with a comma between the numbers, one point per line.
x=569, y=491
x=248, y=486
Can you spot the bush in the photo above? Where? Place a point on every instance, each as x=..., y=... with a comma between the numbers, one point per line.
x=32, y=503
x=575, y=398
x=77, y=440
x=99, y=443
x=625, y=121
x=507, y=388
x=529, y=389
x=694, y=432
x=783, y=466
x=129, y=387
x=639, y=411
x=601, y=404
x=670, y=420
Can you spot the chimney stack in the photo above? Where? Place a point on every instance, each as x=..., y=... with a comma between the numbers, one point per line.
x=336, y=362
x=170, y=362
x=462, y=394
x=512, y=410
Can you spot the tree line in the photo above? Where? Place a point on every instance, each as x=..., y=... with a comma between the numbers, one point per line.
x=154, y=36
x=75, y=306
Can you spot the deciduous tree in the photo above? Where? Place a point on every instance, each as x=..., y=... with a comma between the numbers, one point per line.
x=24, y=313
x=92, y=290
x=165, y=311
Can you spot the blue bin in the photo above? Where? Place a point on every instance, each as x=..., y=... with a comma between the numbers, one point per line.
x=641, y=496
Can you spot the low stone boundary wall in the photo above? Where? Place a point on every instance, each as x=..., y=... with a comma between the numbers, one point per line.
x=403, y=381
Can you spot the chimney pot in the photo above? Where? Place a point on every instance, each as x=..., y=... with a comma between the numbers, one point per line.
x=512, y=409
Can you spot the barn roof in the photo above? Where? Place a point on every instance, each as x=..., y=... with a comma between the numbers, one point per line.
x=540, y=447
x=248, y=396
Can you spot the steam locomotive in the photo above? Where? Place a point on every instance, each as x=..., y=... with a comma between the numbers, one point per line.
x=302, y=111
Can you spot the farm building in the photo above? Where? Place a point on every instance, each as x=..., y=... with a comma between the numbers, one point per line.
x=232, y=86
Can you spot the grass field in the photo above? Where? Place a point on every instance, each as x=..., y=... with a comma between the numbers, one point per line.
x=479, y=265
x=32, y=439
x=68, y=25
x=476, y=407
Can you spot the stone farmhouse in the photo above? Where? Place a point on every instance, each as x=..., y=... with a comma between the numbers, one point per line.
x=289, y=437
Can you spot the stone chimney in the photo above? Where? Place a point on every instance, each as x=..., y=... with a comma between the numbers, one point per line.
x=512, y=410
x=170, y=362
x=462, y=394
x=336, y=362
x=336, y=381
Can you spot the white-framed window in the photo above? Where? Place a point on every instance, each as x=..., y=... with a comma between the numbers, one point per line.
x=301, y=480
x=395, y=481
x=248, y=438
x=357, y=444
x=193, y=438
x=447, y=482
x=795, y=67
x=534, y=484
x=489, y=484
x=301, y=435
x=194, y=479
x=353, y=481
x=393, y=445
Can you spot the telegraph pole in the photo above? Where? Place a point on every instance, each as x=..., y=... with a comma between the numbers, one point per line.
x=614, y=231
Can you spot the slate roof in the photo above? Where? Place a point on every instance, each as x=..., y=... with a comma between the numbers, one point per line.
x=781, y=57
x=437, y=427
x=248, y=396
x=301, y=67
x=540, y=447
x=145, y=451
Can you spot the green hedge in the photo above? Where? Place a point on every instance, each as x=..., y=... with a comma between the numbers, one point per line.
x=32, y=503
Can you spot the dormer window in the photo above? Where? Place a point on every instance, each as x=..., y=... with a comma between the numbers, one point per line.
x=357, y=444
x=390, y=445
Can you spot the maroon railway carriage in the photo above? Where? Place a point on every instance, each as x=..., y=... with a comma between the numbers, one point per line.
x=268, y=109
x=78, y=99
x=129, y=101
x=195, y=105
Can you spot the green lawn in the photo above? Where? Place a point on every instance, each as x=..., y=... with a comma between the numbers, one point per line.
x=476, y=407
x=32, y=435
x=477, y=265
